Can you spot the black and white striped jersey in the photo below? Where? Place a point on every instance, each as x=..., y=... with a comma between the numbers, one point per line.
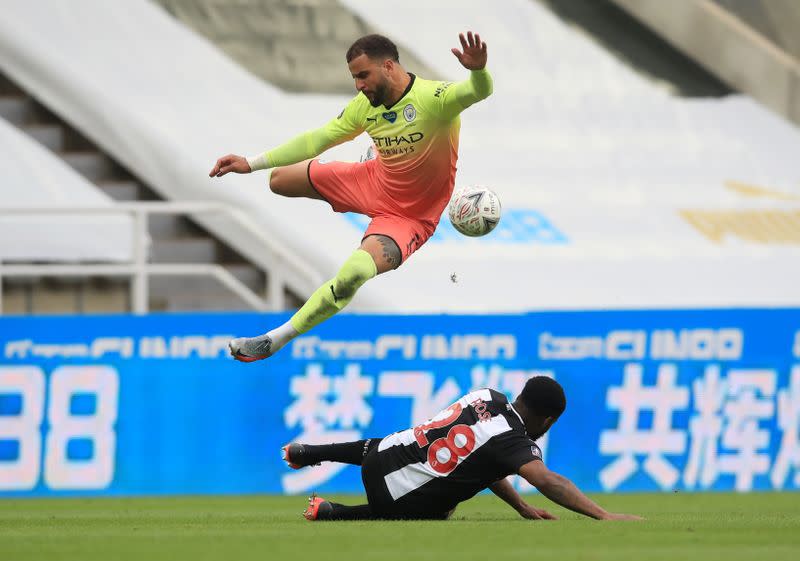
x=476, y=441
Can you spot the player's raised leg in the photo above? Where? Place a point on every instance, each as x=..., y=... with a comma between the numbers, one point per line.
x=297, y=455
x=377, y=254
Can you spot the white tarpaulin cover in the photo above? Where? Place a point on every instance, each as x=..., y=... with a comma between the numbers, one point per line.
x=34, y=177
x=614, y=193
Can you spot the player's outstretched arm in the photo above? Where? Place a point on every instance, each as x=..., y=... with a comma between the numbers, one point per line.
x=228, y=164
x=305, y=146
x=504, y=490
x=561, y=490
x=474, y=54
x=457, y=97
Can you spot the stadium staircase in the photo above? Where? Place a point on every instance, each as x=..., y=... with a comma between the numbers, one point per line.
x=174, y=239
x=272, y=39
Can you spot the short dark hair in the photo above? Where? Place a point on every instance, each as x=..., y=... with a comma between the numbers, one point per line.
x=543, y=396
x=375, y=47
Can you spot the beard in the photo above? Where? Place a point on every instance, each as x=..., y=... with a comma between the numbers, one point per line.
x=379, y=96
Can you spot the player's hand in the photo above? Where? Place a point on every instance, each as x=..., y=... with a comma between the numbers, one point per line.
x=533, y=513
x=474, y=55
x=616, y=516
x=230, y=163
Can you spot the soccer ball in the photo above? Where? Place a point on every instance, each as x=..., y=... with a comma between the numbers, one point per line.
x=474, y=211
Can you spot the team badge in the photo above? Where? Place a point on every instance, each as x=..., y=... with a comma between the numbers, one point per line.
x=390, y=116
x=409, y=112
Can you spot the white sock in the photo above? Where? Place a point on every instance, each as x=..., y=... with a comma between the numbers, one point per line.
x=282, y=335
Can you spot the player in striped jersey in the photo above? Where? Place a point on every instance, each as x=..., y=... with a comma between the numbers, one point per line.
x=425, y=471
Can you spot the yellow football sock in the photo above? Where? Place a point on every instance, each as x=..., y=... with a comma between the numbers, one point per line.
x=335, y=294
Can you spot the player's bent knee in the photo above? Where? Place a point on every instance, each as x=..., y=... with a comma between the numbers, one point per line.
x=276, y=182
x=292, y=181
x=384, y=250
x=287, y=182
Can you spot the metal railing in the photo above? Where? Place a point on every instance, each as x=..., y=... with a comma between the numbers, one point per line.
x=139, y=270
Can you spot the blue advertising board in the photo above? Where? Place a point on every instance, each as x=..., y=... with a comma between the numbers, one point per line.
x=657, y=400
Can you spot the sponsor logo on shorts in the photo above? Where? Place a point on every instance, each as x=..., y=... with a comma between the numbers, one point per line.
x=409, y=112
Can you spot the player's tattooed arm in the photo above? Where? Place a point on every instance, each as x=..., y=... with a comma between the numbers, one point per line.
x=561, y=490
x=505, y=491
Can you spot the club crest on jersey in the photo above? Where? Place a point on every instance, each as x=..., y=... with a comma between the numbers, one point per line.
x=409, y=113
x=390, y=116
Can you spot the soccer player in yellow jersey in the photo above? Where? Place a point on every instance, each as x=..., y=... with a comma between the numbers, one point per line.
x=414, y=125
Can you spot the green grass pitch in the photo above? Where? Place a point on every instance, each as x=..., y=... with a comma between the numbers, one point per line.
x=679, y=527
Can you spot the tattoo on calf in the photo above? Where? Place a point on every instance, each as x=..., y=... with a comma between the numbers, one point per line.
x=391, y=253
